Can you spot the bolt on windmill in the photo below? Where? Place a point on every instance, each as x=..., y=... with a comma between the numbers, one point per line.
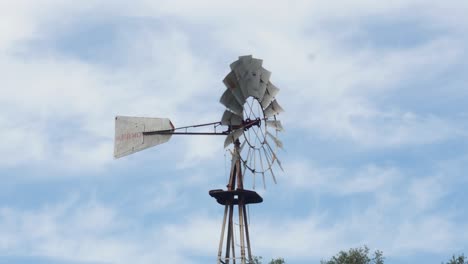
x=251, y=126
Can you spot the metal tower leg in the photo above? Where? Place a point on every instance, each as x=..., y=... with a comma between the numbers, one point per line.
x=241, y=231
x=247, y=236
x=229, y=235
x=221, y=240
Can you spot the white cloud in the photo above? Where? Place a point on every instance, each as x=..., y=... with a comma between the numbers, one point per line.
x=402, y=215
x=87, y=232
x=338, y=181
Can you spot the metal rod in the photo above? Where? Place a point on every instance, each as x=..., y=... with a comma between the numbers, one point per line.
x=241, y=229
x=221, y=240
x=246, y=126
x=233, y=245
x=229, y=234
x=247, y=236
x=171, y=132
x=200, y=125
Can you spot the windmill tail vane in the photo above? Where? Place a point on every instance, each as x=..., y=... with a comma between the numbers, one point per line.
x=133, y=134
x=252, y=127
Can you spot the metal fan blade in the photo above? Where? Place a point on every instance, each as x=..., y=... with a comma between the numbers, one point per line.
x=129, y=136
x=269, y=96
x=246, y=58
x=273, y=176
x=265, y=75
x=273, y=155
x=278, y=142
x=261, y=166
x=230, y=81
x=228, y=100
x=273, y=109
x=248, y=73
x=264, y=80
x=279, y=163
x=269, y=164
x=233, y=136
x=276, y=124
x=231, y=119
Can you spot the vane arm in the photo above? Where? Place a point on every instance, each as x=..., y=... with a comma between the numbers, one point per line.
x=171, y=132
x=246, y=125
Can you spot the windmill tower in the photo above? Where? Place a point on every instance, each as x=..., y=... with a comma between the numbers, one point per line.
x=252, y=127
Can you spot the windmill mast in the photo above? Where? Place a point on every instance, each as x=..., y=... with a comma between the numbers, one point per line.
x=235, y=196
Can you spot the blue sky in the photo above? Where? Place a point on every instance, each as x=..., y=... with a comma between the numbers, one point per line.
x=376, y=135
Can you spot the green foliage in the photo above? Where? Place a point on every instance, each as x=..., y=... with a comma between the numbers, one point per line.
x=359, y=256
x=461, y=259
x=277, y=261
x=356, y=256
x=258, y=260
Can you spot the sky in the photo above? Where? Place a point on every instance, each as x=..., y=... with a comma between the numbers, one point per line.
x=375, y=143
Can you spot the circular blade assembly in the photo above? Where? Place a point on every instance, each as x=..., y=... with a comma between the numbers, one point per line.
x=251, y=115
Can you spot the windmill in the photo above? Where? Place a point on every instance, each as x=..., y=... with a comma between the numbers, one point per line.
x=252, y=128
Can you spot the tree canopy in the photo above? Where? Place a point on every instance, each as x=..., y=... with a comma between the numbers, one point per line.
x=258, y=260
x=360, y=255
x=461, y=259
x=356, y=256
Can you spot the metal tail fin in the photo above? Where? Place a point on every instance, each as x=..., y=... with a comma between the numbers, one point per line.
x=129, y=137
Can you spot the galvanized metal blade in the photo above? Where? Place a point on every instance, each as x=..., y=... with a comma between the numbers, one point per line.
x=228, y=100
x=269, y=164
x=248, y=73
x=273, y=175
x=264, y=80
x=278, y=142
x=231, y=119
x=273, y=109
x=276, y=124
x=273, y=155
x=271, y=92
x=230, y=81
x=241, y=59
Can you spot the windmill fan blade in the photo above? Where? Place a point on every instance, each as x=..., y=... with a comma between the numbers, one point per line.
x=230, y=81
x=273, y=156
x=273, y=109
x=278, y=142
x=246, y=58
x=279, y=162
x=129, y=136
x=228, y=100
x=269, y=96
x=233, y=137
x=248, y=73
x=269, y=164
x=264, y=80
x=273, y=175
x=231, y=119
x=276, y=124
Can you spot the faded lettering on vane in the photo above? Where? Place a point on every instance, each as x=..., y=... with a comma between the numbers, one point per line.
x=129, y=136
